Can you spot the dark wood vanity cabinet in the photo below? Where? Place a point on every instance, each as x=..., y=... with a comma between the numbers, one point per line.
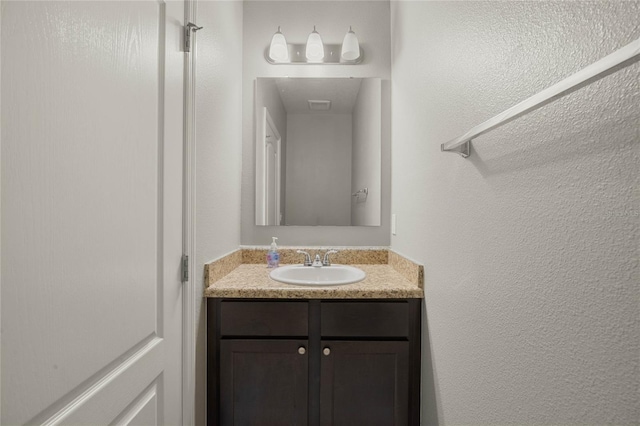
x=313, y=362
x=364, y=383
x=263, y=382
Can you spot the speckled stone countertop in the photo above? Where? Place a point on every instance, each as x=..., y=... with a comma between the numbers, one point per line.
x=396, y=278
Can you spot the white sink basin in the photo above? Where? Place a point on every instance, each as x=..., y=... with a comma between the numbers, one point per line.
x=312, y=275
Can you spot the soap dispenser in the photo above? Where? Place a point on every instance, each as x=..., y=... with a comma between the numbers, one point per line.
x=273, y=258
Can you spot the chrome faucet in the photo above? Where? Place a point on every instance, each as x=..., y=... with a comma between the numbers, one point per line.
x=307, y=257
x=317, y=262
x=325, y=261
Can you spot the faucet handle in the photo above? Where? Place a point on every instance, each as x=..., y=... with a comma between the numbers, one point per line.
x=325, y=261
x=307, y=257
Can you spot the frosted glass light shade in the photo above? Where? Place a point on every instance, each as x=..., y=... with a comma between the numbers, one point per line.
x=278, y=50
x=315, y=48
x=350, y=46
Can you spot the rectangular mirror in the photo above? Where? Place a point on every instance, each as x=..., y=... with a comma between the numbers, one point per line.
x=318, y=151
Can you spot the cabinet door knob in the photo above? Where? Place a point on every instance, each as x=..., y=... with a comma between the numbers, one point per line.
x=326, y=351
x=302, y=350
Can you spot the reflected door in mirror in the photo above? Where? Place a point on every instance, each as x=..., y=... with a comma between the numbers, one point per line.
x=269, y=180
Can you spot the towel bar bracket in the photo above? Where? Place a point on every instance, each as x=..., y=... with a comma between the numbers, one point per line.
x=464, y=150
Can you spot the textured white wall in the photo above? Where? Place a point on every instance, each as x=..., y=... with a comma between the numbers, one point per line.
x=530, y=246
x=318, y=169
x=218, y=150
x=370, y=21
x=366, y=152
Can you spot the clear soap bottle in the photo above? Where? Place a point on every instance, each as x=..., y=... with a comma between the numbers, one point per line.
x=273, y=257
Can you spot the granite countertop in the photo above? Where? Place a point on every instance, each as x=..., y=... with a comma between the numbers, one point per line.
x=243, y=274
x=383, y=281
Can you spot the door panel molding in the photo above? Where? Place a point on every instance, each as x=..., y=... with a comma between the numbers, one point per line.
x=145, y=402
x=117, y=371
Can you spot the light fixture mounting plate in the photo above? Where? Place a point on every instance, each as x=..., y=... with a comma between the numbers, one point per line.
x=331, y=56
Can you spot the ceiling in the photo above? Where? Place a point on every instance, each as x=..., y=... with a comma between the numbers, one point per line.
x=296, y=92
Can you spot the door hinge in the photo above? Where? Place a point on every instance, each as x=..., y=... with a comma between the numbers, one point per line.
x=187, y=35
x=184, y=270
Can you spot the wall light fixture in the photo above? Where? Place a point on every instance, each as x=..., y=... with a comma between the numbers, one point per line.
x=350, y=46
x=278, y=50
x=314, y=51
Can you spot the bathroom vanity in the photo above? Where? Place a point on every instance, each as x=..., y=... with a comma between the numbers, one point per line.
x=279, y=354
x=316, y=362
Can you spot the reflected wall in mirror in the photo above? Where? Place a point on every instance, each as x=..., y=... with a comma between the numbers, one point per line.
x=318, y=151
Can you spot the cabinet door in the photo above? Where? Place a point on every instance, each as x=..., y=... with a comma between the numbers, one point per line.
x=263, y=382
x=364, y=383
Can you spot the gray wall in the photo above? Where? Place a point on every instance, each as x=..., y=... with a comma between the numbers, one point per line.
x=530, y=246
x=370, y=21
x=318, y=169
x=218, y=150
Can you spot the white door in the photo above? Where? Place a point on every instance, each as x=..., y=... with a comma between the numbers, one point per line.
x=268, y=171
x=91, y=212
x=272, y=175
